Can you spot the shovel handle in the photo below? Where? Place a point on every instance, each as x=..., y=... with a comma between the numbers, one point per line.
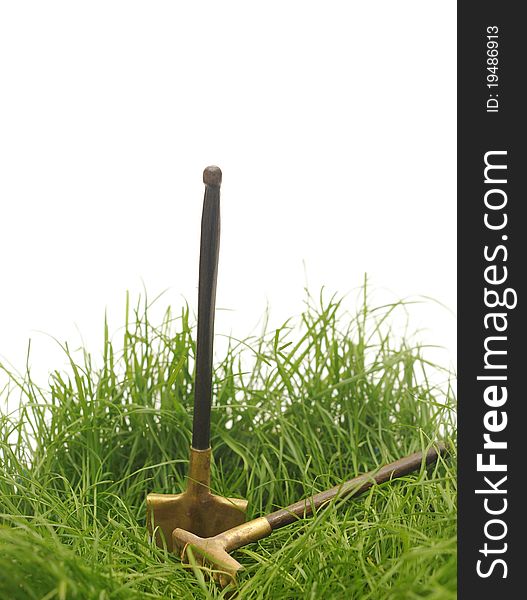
x=208, y=274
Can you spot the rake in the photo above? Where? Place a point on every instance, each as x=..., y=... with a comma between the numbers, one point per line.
x=215, y=551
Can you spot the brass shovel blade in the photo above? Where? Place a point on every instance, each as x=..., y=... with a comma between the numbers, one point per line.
x=195, y=510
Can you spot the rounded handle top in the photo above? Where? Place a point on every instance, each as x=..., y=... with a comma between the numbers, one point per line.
x=212, y=176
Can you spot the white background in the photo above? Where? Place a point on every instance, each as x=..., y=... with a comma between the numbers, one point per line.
x=333, y=122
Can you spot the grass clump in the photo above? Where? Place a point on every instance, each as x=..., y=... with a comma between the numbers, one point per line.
x=296, y=410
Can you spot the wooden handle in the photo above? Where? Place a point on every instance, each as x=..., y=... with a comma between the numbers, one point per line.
x=355, y=486
x=208, y=274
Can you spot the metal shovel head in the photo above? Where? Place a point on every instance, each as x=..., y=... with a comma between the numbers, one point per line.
x=205, y=516
x=195, y=510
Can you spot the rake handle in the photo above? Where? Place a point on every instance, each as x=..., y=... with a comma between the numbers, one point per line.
x=208, y=274
x=355, y=486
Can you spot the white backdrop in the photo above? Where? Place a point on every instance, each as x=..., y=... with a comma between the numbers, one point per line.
x=333, y=122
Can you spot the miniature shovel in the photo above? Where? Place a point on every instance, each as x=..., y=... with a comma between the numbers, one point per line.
x=198, y=510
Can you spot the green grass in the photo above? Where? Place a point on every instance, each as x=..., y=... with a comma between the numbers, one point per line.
x=300, y=409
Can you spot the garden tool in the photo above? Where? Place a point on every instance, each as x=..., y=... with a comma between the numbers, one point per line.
x=198, y=510
x=214, y=551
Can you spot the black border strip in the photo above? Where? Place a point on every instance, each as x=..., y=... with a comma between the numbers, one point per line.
x=479, y=132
